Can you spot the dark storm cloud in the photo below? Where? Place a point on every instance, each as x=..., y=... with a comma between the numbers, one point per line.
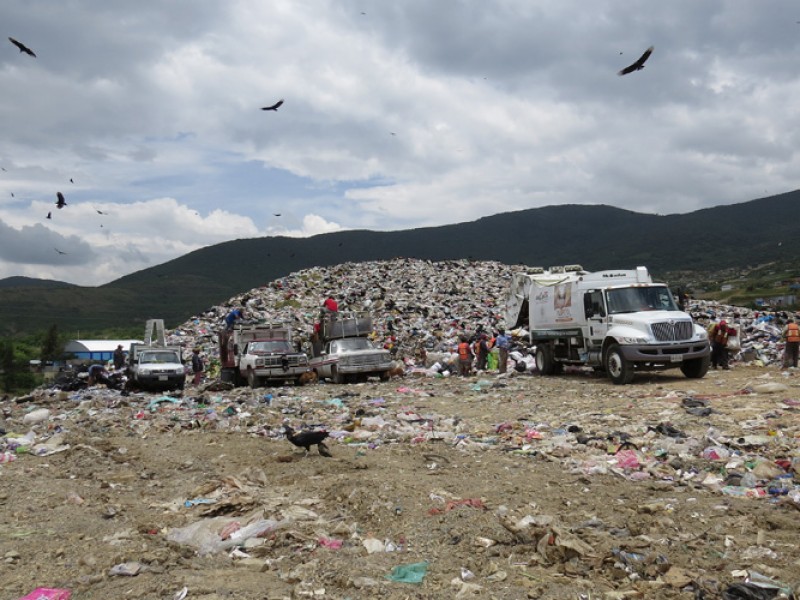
x=39, y=245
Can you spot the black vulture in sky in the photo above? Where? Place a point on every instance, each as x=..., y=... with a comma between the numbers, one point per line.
x=274, y=107
x=60, y=203
x=22, y=47
x=639, y=64
x=49, y=215
x=59, y=251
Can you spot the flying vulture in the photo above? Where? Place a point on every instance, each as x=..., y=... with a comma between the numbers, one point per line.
x=22, y=47
x=639, y=64
x=60, y=203
x=49, y=215
x=274, y=106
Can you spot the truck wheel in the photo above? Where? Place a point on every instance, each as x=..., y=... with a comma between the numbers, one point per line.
x=619, y=369
x=696, y=368
x=544, y=359
x=252, y=379
x=336, y=376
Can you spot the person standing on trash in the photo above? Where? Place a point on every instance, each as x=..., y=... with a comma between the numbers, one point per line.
x=791, y=336
x=464, y=357
x=718, y=334
x=232, y=317
x=119, y=358
x=481, y=352
x=198, y=367
x=330, y=304
x=502, y=343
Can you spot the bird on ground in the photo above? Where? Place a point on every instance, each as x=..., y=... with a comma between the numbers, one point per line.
x=274, y=107
x=60, y=203
x=639, y=64
x=22, y=47
x=49, y=215
x=306, y=439
x=59, y=251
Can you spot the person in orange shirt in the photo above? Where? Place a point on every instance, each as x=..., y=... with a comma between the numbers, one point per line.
x=791, y=335
x=465, y=356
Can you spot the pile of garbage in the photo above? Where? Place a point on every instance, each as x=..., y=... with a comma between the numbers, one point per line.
x=416, y=305
x=759, y=331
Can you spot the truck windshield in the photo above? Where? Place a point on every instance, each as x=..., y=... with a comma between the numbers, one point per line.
x=351, y=344
x=158, y=357
x=280, y=347
x=636, y=299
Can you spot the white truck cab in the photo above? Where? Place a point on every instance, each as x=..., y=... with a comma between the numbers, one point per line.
x=617, y=321
x=156, y=367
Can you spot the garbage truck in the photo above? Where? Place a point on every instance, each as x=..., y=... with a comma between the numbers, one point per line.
x=342, y=351
x=616, y=321
x=257, y=354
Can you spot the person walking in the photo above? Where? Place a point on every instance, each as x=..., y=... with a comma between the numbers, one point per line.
x=502, y=343
x=791, y=336
x=718, y=334
x=198, y=366
x=119, y=358
x=464, y=357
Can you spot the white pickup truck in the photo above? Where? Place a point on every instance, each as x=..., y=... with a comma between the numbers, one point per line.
x=345, y=353
x=156, y=367
x=261, y=353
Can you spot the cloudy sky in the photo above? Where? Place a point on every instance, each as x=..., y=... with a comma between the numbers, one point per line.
x=147, y=117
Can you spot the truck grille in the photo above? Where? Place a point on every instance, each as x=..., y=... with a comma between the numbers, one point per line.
x=366, y=360
x=277, y=361
x=673, y=331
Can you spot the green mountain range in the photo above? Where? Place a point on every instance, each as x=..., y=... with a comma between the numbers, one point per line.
x=598, y=237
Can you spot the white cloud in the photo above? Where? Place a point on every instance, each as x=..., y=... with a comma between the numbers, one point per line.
x=417, y=113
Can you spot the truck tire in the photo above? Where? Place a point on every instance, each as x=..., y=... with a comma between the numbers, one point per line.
x=619, y=368
x=252, y=379
x=336, y=377
x=544, y=359
x=696, y=368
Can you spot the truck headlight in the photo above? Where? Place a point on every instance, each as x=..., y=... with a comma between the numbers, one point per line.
x=633, y=340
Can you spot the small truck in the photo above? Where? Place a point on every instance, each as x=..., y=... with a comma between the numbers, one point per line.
x=342, y=352
x=156, y=367
x=616, y=321
x=259, y=354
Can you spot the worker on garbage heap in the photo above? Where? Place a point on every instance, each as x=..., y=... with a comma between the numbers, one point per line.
x=119, y=358
x=98, y=374
x=791, y=335
x=718, y=334
x=330, y=304
x=502, y=343
x=481, y=352
x=198, y=367
x=233, y=316
x=464, y=357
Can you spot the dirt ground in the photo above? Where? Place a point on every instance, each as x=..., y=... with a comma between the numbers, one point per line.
x=437, y=471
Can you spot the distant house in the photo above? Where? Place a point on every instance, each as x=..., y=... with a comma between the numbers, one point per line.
x=726, y=287
x=96, y=350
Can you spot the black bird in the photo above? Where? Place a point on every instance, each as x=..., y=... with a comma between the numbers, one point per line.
x=100, y=212
x=276, y=215
x=22, y=47
x=12, y=194
x=49, y=215
x=306, y=439
x=274, y=107
x=70, y=180
x=639, y=64
x=60, y=203
x=59, y=251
